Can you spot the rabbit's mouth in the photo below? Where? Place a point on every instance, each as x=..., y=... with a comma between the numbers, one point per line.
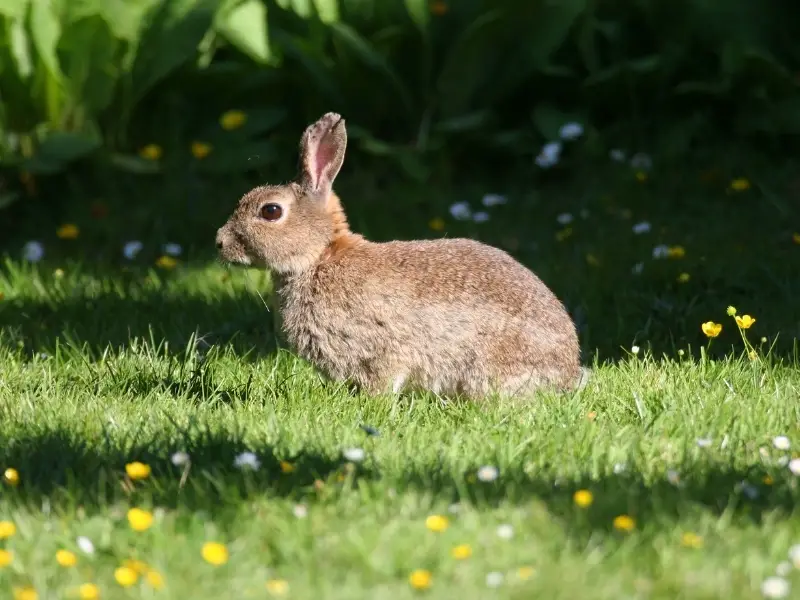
x=230, y=250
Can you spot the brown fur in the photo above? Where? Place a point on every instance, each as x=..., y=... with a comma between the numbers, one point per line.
x=453, y=315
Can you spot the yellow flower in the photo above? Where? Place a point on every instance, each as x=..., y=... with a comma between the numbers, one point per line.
x=151, y=152
x=155, y=579
x=140, y=520
x=437, y=224
x=6, y=556
x=740, y=185
x=286, y=467
x=437, y=523
x=137, y=565
x=215, y=553
x=461, y=551
x=277, y=587
x=66, y=558
x=7, y=529
x=137, y=470
x=641, y=176
x=420, y=579
x=731, y=311
x=166, y=262
x=684, y=278
x=200, y=150
x=691, y=540
x=233, y=119
x=583, y=498
x=796, y=238
x=58, y=273
x=711, y=329
x=752, y=355
x=126, y=576
x=768, y=480
x=11, y=476
x=68, y=231
x=624, y=523
x=525, y=573
x=745, y=321
x=88, y=591
x=676, y=252
x=26, y=593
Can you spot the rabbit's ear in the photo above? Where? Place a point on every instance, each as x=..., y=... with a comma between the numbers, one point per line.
x=322, y=153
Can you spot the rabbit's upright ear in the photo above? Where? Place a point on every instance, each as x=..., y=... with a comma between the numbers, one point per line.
x=322, y=153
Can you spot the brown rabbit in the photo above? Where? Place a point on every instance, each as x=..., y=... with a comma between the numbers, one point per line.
x=453, y=316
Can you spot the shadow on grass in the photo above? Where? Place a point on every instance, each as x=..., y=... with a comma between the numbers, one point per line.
x=70, y=472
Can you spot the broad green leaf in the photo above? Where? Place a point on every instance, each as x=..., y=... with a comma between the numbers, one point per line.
x=327, y=10
x=45, y=32
x=134, y=164
x=245, y=27
x=19, y=45
x=464, y=123
x=239, y=158
x=8, y=198
x=321, y=80
x=14, y=9
x=60, y=147
x=420, y=13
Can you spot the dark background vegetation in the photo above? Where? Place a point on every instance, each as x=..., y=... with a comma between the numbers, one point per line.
x=445, y=102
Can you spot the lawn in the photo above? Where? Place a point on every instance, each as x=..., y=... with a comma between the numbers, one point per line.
x=106, y=361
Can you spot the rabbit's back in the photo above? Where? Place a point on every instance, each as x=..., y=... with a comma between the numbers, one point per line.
x=451, y=315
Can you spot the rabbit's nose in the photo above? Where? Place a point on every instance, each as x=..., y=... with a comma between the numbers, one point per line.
x=219, y=241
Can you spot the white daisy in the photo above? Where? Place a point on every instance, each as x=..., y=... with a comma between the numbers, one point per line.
x=480, y=217
x=635, y=349
x=775, y=587
x=570, y=131
x=703, y=442
x=490, y=200
x=173, y=249
x=794, y=466
x=85, y=544
x=781, y=442
x=564, y=218
x=461, y=211
x=794, y=555
x=33, y=251
x=620, y=468
x=132, y=248
x=300, y=511
x=640, y=228
x=661, y=251
x=247, y=460
x=505, y=531
x=549, y=155
x=488, y=473
x=494, y=579
x=354, y=454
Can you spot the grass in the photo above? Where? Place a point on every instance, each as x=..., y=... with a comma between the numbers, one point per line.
x=105, y=361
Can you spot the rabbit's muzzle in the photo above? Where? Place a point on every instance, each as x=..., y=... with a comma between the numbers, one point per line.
x=230, y=248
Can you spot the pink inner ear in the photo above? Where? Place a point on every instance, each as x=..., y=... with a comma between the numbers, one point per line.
x=323, y=158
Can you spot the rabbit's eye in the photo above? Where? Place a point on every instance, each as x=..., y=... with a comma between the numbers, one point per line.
x=271, y=212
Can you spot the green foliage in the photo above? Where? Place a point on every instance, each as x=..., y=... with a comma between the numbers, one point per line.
x=414, y=78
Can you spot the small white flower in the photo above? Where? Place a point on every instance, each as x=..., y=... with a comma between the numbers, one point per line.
x=641, y=162
x=640, y=228
x=703, y=442
x=635, y=349
x=783, y=569
x=85, y=544
x=488, y=473
x=637, y=269
x=179, y=459
x=480, y=217
x=454, y=508
x=300, y=511
x=494, y=579
x=33, y=251
x=354, y=454
x=247, y=460
x=132, y=248
x=794, y=466
x=724, y=443
x=617, y=155
x=775, y=587
x=570, y=131
x=490, y=200
x=661, y=251
x=505, y=531
x=173, y=249
x=620, y=468
x=549, y=155
x=781, y=442
x=782, y=461
x=673, y=477
x=461, y=211
x=564, y=219
x=794, y=555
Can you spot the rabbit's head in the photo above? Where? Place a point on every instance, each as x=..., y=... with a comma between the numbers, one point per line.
x=287, y=228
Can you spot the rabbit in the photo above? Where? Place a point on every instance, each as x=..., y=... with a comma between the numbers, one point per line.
x=452, y=316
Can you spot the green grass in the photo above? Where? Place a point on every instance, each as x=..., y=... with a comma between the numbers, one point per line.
x=106, y=362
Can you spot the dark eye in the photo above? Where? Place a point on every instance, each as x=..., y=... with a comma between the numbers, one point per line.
x=271, y=212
